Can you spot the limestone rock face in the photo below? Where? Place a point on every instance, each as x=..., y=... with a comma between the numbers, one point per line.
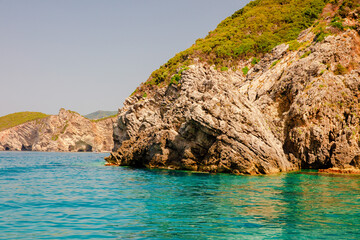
x=293, y=109
x=205, y=124
x=67, y=131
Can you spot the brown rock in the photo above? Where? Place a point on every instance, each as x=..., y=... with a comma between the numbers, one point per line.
x=299, y=113
x=67, y=131
x=340, y=171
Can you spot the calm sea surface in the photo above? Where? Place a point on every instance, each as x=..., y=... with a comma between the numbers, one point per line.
x=74, y=196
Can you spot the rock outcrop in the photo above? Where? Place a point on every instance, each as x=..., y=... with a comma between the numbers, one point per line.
x=294, y=109
x=67, y=131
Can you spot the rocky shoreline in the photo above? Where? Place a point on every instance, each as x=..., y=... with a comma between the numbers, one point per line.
x=293, y=110
x=66, y=132
x=340, y=171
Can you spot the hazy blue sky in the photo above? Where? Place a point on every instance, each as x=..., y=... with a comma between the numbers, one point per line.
x=87, y=55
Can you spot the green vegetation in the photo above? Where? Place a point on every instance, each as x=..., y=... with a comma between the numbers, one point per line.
x=253, y=31
x=176, y=77
x=70, y=111
x=340, y=69
x=245, y=70
x=305, y=54
x=320, y=36
x=249, y=32
x=337, y=23
x=64, y=129
x=102, y=119
x=18, y=118
x=346, y=6
x=294, y=45
x=274, y=63
x=255, y=61
x=55, y=137
x=135, y=91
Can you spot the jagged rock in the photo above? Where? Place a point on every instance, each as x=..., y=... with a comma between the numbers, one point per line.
x=294, y=109
x=340, y=170
x=67, y=131
x=204, y=125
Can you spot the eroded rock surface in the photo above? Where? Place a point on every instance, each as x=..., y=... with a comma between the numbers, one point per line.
x=203, y=124
x=67, y=131
x=294, y=109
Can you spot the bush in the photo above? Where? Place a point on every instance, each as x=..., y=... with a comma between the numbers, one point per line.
x=305, y=54
x=175, y=79
x=245, y=70
x=321, y=36
x=224, y=69
x=274, y=63
x=248, y=33
x=348, y=5
x=158, y=76
x=255, y=61
x=55, y=137
x=340, y=70
x=247, y=46
x=337, y=23
x=294, y=45
x=135, y=91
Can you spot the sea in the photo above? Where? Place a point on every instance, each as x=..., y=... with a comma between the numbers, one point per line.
x=74, y=196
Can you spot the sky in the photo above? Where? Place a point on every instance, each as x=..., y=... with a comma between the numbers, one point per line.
x=89, y=55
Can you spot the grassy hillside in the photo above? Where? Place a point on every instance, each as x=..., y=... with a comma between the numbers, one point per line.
x=249, y=32
x=100, y=114
x=18, y=118
x=247, y=35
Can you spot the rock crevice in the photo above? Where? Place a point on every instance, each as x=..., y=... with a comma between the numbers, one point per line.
x=292, y=110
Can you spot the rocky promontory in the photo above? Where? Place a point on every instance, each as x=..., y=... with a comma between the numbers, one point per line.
x=66, y=132
x=298, y=107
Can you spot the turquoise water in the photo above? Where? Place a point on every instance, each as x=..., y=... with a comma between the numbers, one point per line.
x=74, y=196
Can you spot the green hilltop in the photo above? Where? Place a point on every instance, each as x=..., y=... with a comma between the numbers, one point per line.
x=14, y=119
x=248, y=34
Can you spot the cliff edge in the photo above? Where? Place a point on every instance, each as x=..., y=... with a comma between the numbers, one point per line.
x=294, y=107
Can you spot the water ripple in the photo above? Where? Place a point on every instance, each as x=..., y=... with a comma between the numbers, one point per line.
x=73, y=196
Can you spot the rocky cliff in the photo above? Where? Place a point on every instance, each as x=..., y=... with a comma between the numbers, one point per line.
x=67, y=131
x=296, y=108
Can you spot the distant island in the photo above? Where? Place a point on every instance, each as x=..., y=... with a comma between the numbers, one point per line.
x=274, y=88
x=100, y=114
x=66, y=132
